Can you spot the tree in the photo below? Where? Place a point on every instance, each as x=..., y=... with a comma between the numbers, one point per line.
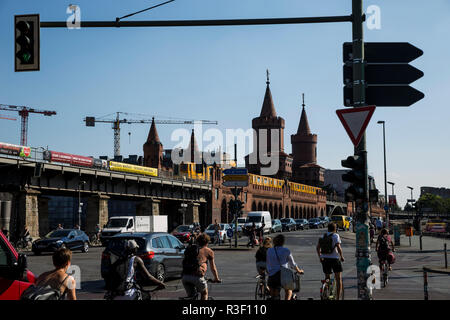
x=436, y=203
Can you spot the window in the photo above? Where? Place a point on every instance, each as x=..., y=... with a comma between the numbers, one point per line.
x=174, y=242
x=4, y=256
x=217, y=193
x=156, y=243
x=165, y=242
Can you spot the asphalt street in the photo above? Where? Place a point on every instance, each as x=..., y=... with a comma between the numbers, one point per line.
x=237, y=270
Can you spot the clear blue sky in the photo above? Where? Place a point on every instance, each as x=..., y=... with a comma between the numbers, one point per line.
x=218, y=73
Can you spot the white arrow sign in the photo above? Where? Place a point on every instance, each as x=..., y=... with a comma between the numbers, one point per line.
x=355, y=121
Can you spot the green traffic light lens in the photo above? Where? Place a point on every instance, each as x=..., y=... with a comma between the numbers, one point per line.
x=26, y=57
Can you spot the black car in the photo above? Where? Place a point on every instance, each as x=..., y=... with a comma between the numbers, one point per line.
x=72, y=239
x=315, y=223
x=161, y=252
x=302, y=224
x=324, y=220
x=288, y=224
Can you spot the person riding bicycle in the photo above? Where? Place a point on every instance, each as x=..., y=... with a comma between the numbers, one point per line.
x=261, y=257
x=123, y=284
x=26, y=236
x=251, y=233
x=385, y=249
x=331, y=256
x=195, y=265
x=278, y=257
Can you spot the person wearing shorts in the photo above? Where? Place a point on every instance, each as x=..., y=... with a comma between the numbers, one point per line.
x=332, y=262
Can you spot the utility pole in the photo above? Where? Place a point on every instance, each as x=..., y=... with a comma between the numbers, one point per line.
x=359, y=99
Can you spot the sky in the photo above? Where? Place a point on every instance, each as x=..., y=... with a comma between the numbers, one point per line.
x=219, y=73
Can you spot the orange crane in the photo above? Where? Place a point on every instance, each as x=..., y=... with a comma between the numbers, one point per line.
x=24, y=112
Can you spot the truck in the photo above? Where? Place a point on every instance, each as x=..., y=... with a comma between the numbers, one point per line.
x=259, y=218
x=122, y=224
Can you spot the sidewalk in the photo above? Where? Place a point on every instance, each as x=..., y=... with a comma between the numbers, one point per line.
x=429, y=243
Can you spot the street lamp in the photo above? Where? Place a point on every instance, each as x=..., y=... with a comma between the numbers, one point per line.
x=411, y=188
x=385, y=179
x=79, y=201
x=392, y=185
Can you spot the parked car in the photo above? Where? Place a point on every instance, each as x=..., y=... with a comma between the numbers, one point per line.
x=72, y=239
x=183, y=232
x=301, y=224
x=315, y=223
x=161, y=253
x=325, y=221
x=288, y=224
x=222, y=232
x=15, y=278
x=276, y=226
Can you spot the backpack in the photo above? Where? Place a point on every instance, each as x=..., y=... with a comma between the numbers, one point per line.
x=190, y=261
x=117, y=275
x=326, y=243
x=43, y=292
x=383, y=245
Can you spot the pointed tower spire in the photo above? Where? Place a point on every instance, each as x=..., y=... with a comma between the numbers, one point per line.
x=193, y=147
x=268, y=109
x=303, y=127
x=153, y=133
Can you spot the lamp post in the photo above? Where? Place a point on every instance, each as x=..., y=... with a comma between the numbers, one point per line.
x=411, y=188
x=392, y=185
x=80, y=204
x=385, y=179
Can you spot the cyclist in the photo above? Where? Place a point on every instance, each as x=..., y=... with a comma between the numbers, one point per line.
x=195, y=265
x=384, y=248
x=97, y=232
x=278, y=257
x=261, y=257
x=331, y=256
x=124, y=274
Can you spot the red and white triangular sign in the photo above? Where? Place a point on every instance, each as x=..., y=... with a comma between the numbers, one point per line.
x=355, y=121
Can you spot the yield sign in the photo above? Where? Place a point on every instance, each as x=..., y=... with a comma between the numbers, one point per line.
x=355, y=121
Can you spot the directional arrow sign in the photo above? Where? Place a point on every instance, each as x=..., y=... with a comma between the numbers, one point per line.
x=395, y=96
x=393, y=73
x=235, y=177
x=238, y=171
x=385, y=52
x=355, y=121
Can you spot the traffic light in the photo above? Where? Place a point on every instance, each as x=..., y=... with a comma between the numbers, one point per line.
x=26, y=46
x=240, y=207
x=373, y=195
x=355, y=177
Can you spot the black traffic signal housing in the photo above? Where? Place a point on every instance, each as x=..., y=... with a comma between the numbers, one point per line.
x=373, y=195
x=26, y=42
x=232, y=206
x=240, y=207
x=355, y=177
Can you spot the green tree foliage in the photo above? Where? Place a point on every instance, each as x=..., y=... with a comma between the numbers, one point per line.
x=436, y=203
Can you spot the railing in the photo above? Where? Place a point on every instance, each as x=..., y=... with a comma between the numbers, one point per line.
x=37, y=156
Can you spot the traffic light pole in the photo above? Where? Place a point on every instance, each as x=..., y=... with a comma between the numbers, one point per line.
x=362, y=206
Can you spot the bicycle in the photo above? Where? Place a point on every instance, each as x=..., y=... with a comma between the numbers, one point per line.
x=261, y=291
x=328, y=290
x=197, y=294
x=385, y=272
x=141, y=293
x=94, y=240
x=23, y=244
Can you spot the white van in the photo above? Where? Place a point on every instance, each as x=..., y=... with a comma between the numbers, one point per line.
x=259, y=217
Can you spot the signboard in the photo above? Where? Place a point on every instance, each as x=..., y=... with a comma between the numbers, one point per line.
x=235, y=183
x=235, y=178
x=355, y=121
x=236, y=171
x=392, y=200
x=15, y=150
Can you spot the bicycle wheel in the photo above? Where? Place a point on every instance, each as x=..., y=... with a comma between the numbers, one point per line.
x=333, y=291
x=324, y=291
x=260, y=292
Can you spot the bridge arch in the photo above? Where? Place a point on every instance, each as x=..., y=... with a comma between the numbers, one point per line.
x=280, y=211
x=259, y=206
x=286, y=212
x=265, y=206
x=223, y=211
x=271, y=209
x=337, y=211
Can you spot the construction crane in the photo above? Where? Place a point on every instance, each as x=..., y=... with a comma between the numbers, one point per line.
x=24, y=112
x=90, y=122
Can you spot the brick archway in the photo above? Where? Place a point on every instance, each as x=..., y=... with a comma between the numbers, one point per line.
x=275, y=211
x=259, y=206
x=253, y=206
x=265, y=206
x=280, y=211
x=286, y=212
x=271, y=209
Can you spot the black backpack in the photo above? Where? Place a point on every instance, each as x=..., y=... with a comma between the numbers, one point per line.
x=33, y=292
x=326, y=244
x=383, y=245
x=116, y=274
x=190, y=261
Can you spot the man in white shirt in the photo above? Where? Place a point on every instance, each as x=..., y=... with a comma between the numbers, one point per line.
x=331, y=256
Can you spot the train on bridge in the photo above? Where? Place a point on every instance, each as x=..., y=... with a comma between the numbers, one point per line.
x=192, y=171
